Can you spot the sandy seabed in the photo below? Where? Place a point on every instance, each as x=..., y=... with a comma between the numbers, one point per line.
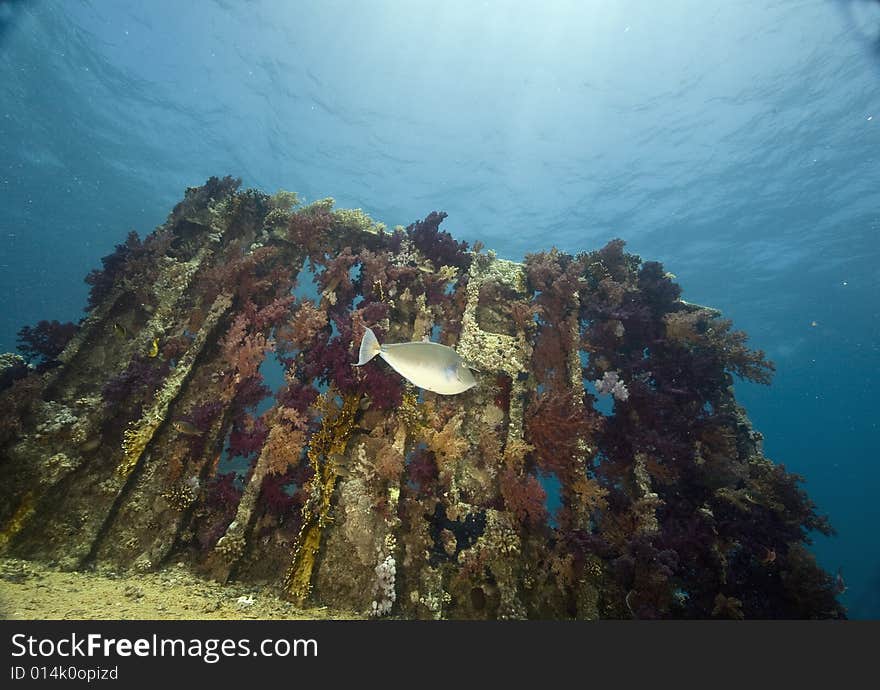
x=34, y=591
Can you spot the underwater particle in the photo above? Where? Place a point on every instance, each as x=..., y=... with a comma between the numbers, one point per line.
x=432, y=366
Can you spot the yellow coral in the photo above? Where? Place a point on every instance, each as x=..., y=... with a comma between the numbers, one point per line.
x=139, y=434
x=411, y=412
x=284, y=200
x=19, y=518
x=331, y=439
x=356, y=219
x=134, y=441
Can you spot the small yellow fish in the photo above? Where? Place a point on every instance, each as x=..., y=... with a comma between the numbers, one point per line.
x=119, y=330
x=154, y=348
x=185, y=428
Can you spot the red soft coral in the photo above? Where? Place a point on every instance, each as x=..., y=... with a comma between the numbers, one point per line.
x=524, y=497
x=558, y=426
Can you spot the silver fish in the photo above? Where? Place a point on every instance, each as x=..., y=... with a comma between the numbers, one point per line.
x=431, y=366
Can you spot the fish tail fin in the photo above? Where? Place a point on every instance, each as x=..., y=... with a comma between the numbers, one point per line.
x=369, y=347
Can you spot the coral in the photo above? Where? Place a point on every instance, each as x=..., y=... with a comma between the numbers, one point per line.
x=309, y=227
x=245, y=274
x=133, y=265
x=297, y=395
x=524, y=497
x=384, y=387
x=112, y=267
x=12, y=368
x=301, y=328
x=557, y=426
x=330, y=440
x=275, y=497
x=199, y=202
x=610, y=383
x=16, y=403
x=284, y=200
x=388, y=462
x=45, y=341
x=447, y=444
x=335, y=281
x=19, y=518
x=668, y=506
x=247, y=437
x=711, y=343
x=422, y=470
x=355, y=219
x=438, y=245
x=286, y=441
x=222, y=492
x=244, y=348
x=139, y=380
x=383, y=590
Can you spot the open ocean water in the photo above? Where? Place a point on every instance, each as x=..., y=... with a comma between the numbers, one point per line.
x=737, y=142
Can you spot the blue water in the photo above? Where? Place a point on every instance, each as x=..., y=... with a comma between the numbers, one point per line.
x=737, y=142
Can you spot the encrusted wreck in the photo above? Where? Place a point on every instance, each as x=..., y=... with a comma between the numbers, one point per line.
x=148, y=435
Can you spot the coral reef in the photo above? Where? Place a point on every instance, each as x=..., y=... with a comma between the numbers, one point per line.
x=147, y=434
x=45, y=341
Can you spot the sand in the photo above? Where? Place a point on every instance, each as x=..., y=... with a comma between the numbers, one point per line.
x=34, y=591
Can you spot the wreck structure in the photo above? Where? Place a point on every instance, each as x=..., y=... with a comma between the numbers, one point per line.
x=601, y=468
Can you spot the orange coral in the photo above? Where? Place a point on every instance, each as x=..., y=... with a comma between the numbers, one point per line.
x=243, y=350
x=286, y=440
x=303, y=325
x=447, y=444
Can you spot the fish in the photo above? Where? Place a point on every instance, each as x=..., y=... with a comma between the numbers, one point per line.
x=185, y=428
x=154, y=348
x=432, y=366
x=119, y=330
x=91, y=444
